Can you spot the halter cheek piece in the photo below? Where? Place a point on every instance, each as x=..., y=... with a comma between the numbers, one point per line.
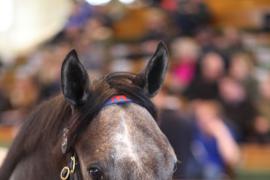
x=72, y=170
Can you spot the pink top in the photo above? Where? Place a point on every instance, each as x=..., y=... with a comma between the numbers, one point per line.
x=184, y=72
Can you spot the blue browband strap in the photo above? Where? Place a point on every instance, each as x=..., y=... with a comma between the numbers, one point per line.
x=121, y=99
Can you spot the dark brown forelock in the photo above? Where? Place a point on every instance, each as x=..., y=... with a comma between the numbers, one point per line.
x=111, y=85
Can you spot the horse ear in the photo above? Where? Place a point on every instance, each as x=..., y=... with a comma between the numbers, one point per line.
x=74, y=80
x=156, y=69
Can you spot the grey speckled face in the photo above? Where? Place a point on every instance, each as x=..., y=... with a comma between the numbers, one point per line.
x=124, y=143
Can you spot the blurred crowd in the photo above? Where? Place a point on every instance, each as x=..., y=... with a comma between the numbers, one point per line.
x=216, y=94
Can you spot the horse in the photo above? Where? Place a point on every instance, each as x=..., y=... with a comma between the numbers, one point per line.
x=95, y=130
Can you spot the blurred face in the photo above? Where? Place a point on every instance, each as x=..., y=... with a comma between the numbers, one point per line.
x=232, y=35
x=207, y=116
x=212, y=66
x=205, y=112
x=231, y=91
x=24, y=93
x=185, y=50
x=155, y=21
x=240, y=68
x=264, y=88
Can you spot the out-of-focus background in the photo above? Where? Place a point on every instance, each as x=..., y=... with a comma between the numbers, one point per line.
x=215, y=104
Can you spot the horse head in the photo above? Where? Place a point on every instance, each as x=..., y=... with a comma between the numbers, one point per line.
x=123, y=140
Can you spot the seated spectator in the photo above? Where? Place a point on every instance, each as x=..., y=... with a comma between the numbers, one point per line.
x=205, y=37
x=80, y=13
x=262, y=124
x=233, y=40
x=238, y=108
x=191, y=16
x=23, y=96
x=156, y=25
x=176, y=127
x=242, y=69
x=205, y=85
x=213, y=148
x=48, y=73
x=185, y=52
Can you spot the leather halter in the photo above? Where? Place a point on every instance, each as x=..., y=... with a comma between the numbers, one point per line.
x=72, y=170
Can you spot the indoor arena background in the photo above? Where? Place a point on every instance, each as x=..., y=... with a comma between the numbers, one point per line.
x=219, y=75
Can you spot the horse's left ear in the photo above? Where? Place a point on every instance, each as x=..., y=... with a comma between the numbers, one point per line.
x=74, y=80
x=156, y=69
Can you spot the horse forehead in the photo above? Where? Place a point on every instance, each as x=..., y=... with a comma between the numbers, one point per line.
x=126, y=121
x=125, y=125
x=127, y=139
x=127, y=115
x=131, y=128
x=137, y=143
x=122, y=140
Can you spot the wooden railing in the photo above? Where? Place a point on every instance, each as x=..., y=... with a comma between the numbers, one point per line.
x=238, y=13
x=255, y=157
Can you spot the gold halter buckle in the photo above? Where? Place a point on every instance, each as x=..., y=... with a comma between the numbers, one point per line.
x=73, y=160
x=67, y=171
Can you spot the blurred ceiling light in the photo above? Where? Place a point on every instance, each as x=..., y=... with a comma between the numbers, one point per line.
x=98, y=2
x=126, y=1
x=6, y=14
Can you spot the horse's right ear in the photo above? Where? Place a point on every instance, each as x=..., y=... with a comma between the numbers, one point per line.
x=155, y=71
x=74, y=80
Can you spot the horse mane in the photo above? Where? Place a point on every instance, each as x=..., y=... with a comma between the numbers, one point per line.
x=44, y=127
x=40, y=127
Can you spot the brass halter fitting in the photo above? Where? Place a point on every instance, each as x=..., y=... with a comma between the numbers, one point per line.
x=67, y=171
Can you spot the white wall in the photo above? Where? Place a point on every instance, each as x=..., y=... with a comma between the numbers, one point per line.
x=26, y=23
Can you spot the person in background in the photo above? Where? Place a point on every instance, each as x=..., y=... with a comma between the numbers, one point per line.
x=214, y=149
x=93, y=43
x=176, y=127
x=238, y=108
x=80, y=13
x=192, y=15
x=232, y=40
x=262, y=123
x=48, y=73
x=205, y=38
x=205, y=85
x=242, y=69
x=185, y=52
x=23, y=95
x=156, y=25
